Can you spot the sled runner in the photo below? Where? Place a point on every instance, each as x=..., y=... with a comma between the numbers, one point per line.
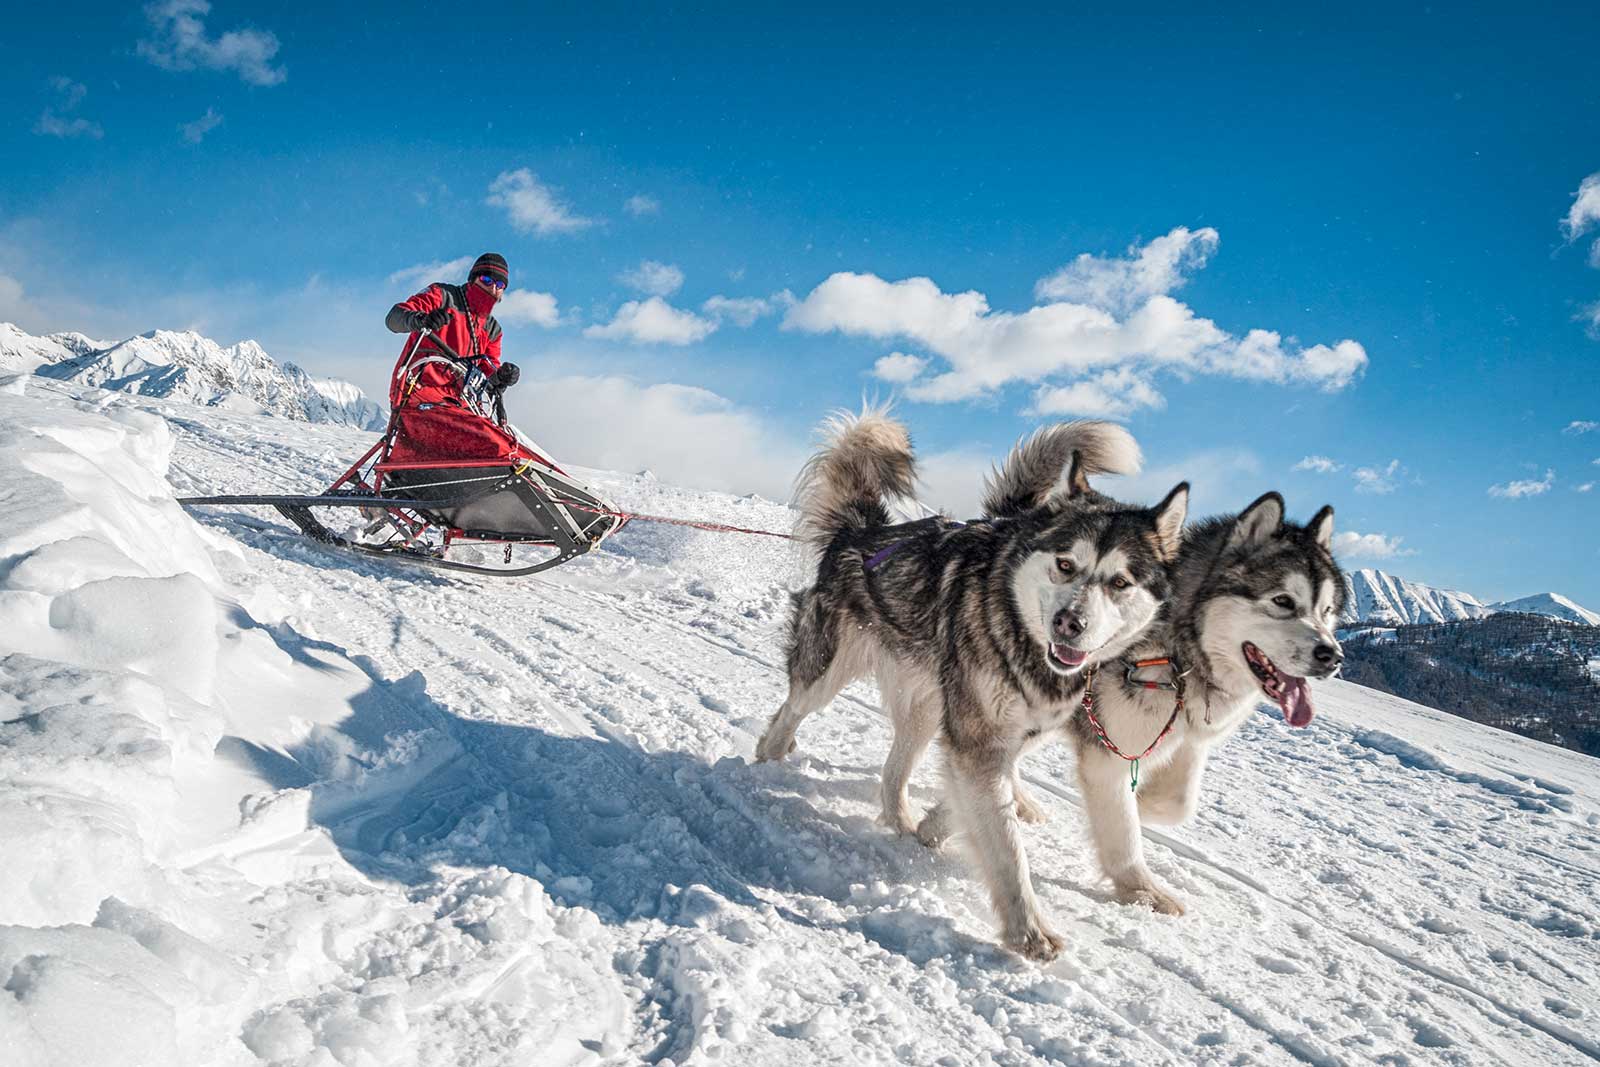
x=447, y=482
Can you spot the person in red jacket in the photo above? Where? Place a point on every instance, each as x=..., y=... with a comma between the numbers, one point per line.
x=434, y=420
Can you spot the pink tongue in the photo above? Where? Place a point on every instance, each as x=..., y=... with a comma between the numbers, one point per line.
x=1296, y=702
x=1070, y=656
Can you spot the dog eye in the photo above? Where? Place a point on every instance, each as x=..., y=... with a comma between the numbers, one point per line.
x=1067, y=567
x=1284, y=602
x=1119, y=582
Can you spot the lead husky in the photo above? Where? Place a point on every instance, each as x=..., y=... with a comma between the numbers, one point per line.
x=1254, y=604
x=980, y=632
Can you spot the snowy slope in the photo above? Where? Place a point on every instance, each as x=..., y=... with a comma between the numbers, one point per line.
x=1382, y=598
x=186, y=366
x=263, y=802
x=1552, y=604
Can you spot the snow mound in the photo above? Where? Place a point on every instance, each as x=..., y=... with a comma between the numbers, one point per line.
x=170, y=768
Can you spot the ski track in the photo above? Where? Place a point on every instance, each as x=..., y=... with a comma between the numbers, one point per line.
x=1372, y=890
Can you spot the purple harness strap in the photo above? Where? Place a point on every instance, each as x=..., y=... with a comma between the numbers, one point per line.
x=872, y=562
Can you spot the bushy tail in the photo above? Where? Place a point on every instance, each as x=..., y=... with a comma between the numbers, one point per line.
x=1037, y=466
x=865, y=459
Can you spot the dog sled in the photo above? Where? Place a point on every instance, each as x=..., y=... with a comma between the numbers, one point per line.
x=455, y=487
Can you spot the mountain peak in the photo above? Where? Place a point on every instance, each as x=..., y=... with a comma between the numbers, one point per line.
x=187, y=366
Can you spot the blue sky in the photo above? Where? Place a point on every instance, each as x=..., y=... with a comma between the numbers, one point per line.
x=1356, y=241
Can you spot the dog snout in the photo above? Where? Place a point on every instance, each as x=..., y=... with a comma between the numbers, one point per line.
x=1069, y=624
x=1328, y=657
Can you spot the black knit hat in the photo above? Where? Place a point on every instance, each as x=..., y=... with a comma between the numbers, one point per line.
x=491, y=263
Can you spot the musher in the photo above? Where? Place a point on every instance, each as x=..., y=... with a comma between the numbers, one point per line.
x=434, y=418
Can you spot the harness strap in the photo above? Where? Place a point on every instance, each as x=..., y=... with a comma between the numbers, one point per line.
x=1110, y=745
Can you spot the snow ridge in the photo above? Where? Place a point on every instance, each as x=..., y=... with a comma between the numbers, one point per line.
x=1553, y=604
x=1381, y=598
x=185, y=366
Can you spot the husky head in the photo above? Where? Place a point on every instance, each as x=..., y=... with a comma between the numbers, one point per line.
x=1094, y=573
x=1269, y=604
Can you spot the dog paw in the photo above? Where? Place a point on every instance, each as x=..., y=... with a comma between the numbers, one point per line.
x=1036, y=941
x=934, y=829
x=1028, y=809
x=1158, y=900
x=900, y=821
x=771, y=748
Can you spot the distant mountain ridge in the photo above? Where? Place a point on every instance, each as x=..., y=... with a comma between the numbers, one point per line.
x=1380, y=599
x=185, y=366
x=1377, y=597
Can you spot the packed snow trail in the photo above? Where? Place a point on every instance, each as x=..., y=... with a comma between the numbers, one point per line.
x=271, y=802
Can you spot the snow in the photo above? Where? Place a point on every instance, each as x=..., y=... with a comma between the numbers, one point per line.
x=262, y=802
x=1552, y=604
x=1378, y=597
x=183, y=365
x=1382, y=598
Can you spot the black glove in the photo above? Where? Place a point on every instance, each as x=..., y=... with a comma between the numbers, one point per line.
x=506, y=376
x=431, y=320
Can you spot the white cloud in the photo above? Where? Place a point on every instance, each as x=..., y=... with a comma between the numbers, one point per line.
x=1585, y=210
x=898, y=367
x=195, y=132
x=180, y=42
x=640, y=204
x=1379, y=480
x=1578, y=426
x=1584, y=488
x=1526, y=487
x=653, y=278
x=745, y=310
x=1112, y=394
x=531, y=205
x=54, y=120
x=528, y=307
x=1347, y=544
x=685, y=434
x=1589, y=314
x=449, y=270
x=988, y=349
x=1320, y=464
x=653, y=321
x=1123, y=284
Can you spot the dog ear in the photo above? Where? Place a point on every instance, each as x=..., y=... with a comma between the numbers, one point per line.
x=1170, y=515
x=1321, y=527
x=1258, y=522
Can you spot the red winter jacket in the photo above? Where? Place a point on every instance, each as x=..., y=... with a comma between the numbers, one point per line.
x=471, y=332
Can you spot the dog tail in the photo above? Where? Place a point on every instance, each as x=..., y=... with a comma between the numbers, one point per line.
x=865, y=459
x=1037, y=465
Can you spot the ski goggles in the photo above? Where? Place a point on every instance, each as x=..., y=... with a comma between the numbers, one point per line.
x=491, y=281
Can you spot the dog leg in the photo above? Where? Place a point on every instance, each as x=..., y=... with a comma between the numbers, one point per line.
x=1114, y=829
x=1170, y=794
x=915, y=719
x=1028, y=809
x=984, y=809
x=818, y=669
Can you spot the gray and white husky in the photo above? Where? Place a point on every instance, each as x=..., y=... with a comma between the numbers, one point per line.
x=980, y=633
x=1254, y=603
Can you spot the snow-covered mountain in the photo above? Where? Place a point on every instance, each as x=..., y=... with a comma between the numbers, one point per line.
x=1553, y=604
x=188, y=367
x=264, y=802
x=21, y=351
x=1382, y=598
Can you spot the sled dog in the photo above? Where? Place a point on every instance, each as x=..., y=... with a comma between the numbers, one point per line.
x=1254, y=604
x=978, y=633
